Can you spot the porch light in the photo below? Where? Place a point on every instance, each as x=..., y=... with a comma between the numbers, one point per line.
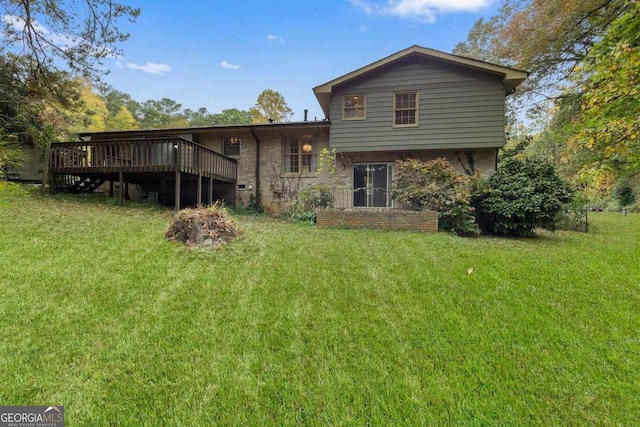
x=307, y=148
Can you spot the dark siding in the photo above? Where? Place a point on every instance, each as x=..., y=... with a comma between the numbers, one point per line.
x=458, y=108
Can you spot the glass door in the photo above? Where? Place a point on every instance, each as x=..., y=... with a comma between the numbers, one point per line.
x=372, y=185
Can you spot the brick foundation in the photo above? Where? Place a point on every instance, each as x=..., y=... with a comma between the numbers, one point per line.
x=388, y=219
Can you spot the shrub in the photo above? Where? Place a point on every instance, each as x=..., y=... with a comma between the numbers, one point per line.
x=623, y=192
x=202, y=227
x=521, y=195
x=435, y=186
x=309, y=199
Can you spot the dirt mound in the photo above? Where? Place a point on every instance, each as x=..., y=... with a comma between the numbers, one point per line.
x=210, y=227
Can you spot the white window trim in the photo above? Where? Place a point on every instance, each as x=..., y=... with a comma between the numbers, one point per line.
x=312, y=154
x=348, y=119
x=393, y=114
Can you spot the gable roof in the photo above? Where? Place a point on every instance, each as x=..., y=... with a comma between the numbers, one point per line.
x=511, y=77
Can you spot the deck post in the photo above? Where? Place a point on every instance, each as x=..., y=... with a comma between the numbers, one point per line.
x=163, y=191
x=177, y=208
x=121, y=189
x=53, y=184
x=199, y=190
x=210, y=191
x=111, y=189
x=178, y=161
x=47, y=165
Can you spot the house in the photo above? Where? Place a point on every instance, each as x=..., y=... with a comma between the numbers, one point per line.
x=417, y=103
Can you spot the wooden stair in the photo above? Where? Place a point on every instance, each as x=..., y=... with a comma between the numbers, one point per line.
x=77, y=185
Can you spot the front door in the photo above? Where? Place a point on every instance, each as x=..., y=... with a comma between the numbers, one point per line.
x=372, y=185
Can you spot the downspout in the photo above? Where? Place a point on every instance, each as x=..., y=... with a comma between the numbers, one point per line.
x=257, y=179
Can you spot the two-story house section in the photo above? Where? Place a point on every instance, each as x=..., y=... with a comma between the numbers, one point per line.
x=417, y=103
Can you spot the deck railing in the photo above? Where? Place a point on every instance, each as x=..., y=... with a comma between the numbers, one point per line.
x=171, y=154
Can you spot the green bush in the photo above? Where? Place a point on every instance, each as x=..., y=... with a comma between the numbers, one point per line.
x=623, y=192
x=309, y=199
x=520, y=196
x=435, y=186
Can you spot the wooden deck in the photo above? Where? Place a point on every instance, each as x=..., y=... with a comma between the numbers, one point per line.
x=141, y=160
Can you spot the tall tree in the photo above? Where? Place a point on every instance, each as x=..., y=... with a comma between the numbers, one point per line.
x=48, y=42
x=232, y=116
x=75, y=35
x=116, y=99
x=122, y=120
x=90, y=113
x=270, y=105
x=163, y=113
x=546, y=37
x=608, y=127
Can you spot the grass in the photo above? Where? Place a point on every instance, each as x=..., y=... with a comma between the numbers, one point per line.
x=294, y=325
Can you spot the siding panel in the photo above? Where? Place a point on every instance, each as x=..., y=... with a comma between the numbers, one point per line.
x=457, y=108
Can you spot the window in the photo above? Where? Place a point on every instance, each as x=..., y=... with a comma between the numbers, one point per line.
x=231, y=146
x=354, y=107
x=299, y=154
x=405, y=109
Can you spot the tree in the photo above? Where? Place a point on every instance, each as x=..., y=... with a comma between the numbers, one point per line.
x=165, y=113
x=270, y=105
x=44, y=44
x=548, y=38
x=75, y=35
x=26, y=117
x=116, y=99
x=90, y=114
x=122, y=120
x=607, y=130
x=232, y=116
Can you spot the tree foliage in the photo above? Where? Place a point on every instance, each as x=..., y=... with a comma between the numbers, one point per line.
x=607, y=129
x=75, y=35
x=228, y=117
x=546, y=37
x=29, y=118
x=44, y=46
x=520, y=196
x=270, y=105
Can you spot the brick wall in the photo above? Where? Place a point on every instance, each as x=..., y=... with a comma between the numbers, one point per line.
x=388, y=219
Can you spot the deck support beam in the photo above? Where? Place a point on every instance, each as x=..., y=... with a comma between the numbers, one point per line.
x=210, y=191
x=53, y=184
x=177, y=192
x=199, y=189
x=121, y=189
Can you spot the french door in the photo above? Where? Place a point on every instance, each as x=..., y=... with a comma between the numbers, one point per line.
x=372, y=185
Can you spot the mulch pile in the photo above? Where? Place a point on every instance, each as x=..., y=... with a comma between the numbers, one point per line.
x=210, y=227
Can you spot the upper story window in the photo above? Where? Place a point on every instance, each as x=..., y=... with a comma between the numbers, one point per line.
x=231, y=146
x=354, y=107
x=299, y=154
x=405, y=109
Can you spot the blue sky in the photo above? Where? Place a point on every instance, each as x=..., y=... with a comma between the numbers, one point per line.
x=222, y=54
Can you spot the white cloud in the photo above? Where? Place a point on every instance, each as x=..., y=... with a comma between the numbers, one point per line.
x=229, y=66
x=274, y=38
x=17, y=24
x=421, y=10
x=151, y=68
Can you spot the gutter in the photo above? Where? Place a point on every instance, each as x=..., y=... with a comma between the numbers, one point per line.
x=257, y=179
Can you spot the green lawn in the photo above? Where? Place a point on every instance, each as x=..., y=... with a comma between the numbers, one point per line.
x=294, y=325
